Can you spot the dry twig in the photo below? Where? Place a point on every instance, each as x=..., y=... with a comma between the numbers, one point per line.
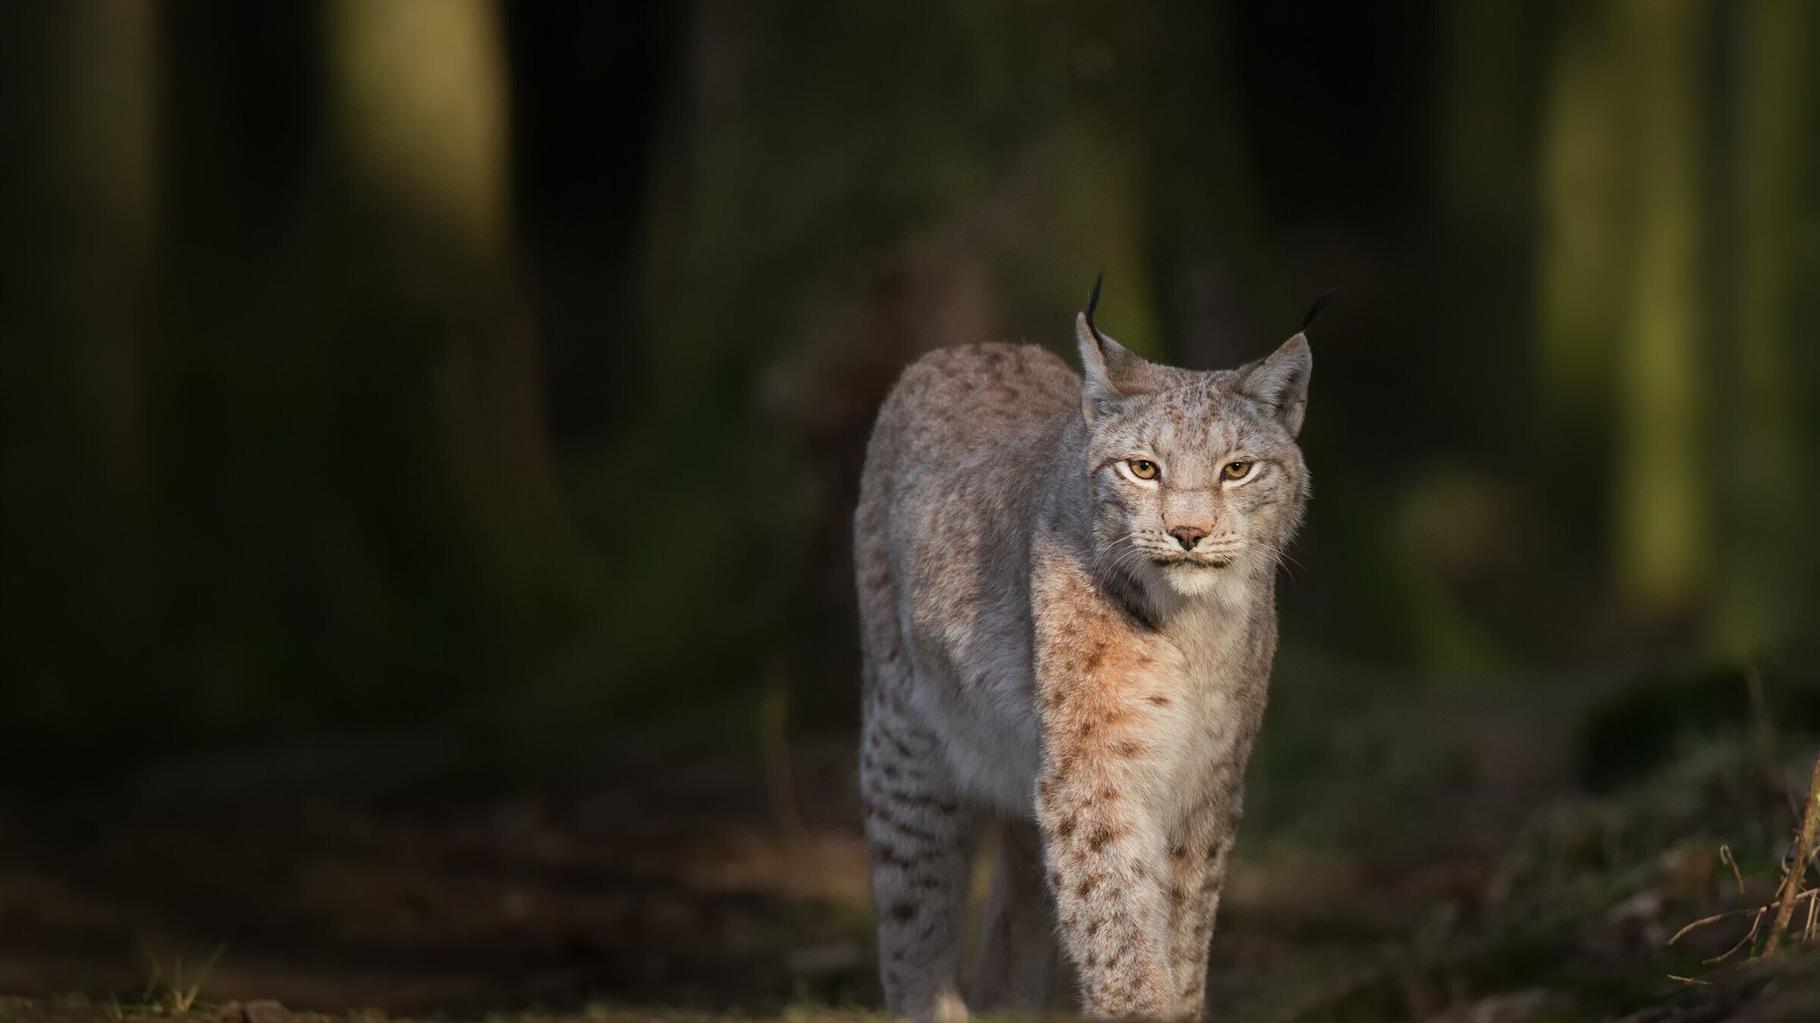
x=1755, y=922
x=1743, y=943
x=1804, y=847
x=1726, y=857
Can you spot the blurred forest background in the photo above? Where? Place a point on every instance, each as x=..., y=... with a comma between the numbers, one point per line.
x=368, y=362
x=503, y=371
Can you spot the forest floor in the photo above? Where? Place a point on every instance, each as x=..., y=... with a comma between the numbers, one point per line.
x=1467, y=851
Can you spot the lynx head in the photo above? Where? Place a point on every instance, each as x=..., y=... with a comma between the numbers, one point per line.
x=1195, y=477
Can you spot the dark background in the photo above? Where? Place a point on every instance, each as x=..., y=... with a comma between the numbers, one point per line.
x=435, y=396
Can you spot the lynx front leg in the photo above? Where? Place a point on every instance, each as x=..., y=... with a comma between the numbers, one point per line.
x=1104, y=867
x=921, y=840
x=1097, y=799
x=1197, y=872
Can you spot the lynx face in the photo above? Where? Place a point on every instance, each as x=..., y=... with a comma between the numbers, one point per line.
x=1197, y=482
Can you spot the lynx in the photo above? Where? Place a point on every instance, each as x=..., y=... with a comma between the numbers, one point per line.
x=1067, y=597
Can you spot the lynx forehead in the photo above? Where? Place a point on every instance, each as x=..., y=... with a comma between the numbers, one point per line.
x=1067, y=596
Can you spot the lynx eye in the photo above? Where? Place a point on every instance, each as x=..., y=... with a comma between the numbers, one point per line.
x=1236, y=470
x=1142, y=469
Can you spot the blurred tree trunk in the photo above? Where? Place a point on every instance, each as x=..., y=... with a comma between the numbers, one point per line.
x=1207, y=246
x=1770, y=555
x=1663, y=483
x=1491, y=91
x=77, y=311
x=419, y=112
x=419, y=208
x=1584, y=160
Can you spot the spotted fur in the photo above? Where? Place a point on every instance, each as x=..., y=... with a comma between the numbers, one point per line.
x=1074, y=653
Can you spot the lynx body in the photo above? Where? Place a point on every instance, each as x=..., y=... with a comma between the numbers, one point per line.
x=1066, y=589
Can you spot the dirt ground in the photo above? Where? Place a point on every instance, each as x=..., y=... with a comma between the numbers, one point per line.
x=417, y=898
x=1463, y=878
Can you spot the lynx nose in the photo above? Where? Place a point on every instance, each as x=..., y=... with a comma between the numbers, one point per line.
x=1187, y=536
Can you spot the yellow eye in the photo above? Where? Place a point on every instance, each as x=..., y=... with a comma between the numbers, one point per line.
x=1236, y=470
x=1141, y=469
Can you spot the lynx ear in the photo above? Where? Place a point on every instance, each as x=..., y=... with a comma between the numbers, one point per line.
x=1110, y=371
x=1280, y=382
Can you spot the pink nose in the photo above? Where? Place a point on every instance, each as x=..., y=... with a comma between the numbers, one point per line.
x=1187, y=536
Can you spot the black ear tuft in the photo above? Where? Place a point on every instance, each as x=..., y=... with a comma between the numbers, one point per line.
x=1093, y=302
x=1315, y=310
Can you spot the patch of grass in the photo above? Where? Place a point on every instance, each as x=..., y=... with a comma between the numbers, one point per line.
x=167, y=991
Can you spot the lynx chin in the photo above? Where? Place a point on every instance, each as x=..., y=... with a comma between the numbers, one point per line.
x=1067, y=600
